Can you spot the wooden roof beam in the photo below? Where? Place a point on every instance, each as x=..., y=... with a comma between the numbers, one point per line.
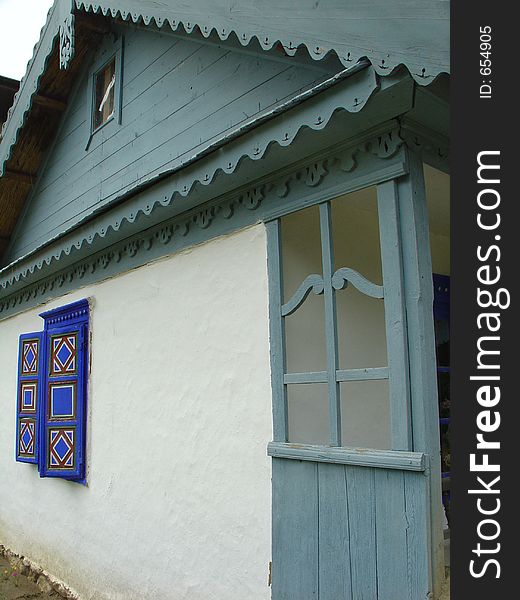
x=48, y=102
x=93, y=23
x=20, y=177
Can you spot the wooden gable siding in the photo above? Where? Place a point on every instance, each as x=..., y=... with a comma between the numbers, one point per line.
x=177, y=94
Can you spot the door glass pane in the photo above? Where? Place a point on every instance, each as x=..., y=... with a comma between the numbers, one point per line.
x=365, y=414
x=361, y=319
x=308, y=413
x=305, y=328
x=361, y=330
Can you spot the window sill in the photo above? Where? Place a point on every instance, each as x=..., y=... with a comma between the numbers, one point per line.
x=383, y=459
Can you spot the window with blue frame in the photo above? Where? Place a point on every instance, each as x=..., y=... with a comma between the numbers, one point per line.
x=52, y=394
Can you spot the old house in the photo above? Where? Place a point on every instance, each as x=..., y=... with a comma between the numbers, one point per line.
x=220, y=227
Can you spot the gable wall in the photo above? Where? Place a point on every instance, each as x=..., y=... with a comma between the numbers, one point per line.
x=177, y=94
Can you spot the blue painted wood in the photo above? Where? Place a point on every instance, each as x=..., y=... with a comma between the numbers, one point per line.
x=362, y=527
x=168, y=109
x=417, y=535
x=371, y=373
x=383, y=505
x=115, y=242
x=295, y=530
x=343, y=532
x=309, y=377
x=312, y=283
x=391, y=525
x=367, y=457
x=418, y=285
x=111, y=50
x=395, y=316
x=342, y=277
x=65, y=428
x=331, y=329
x=334, y=556
x=277, y=331
x=30, y=381
x=412, y=32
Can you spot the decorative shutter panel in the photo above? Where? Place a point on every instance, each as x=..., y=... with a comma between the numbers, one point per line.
x=64, y=413
x=29, y=394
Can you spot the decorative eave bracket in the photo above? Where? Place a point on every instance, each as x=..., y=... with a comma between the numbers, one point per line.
x=66, y=33
x=79, y=260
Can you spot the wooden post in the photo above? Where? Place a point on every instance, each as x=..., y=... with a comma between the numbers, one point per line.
x=418, y=285
x=327, y=251
x=277, y=331
x=395, y=315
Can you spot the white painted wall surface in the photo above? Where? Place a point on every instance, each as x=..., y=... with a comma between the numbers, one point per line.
x=178, y=499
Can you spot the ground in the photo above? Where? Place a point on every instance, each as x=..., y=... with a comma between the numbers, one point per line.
x=14, y=586
x=445, y=594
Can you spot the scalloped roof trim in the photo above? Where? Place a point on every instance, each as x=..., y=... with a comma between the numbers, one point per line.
x=27, y=69
x=29, y=85
x=382, y=64
x=185, y=179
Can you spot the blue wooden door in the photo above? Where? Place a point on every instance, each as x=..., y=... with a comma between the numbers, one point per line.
x=360, y=523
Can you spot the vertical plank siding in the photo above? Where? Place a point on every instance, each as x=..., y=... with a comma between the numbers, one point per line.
x=295, y=530
x=369, y=536
x=362, y=522
x=391, y=535
x=177, y=94
x=335, y=580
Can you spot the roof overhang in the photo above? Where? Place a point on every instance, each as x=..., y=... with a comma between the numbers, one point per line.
x=410, y=33
x=414, y=33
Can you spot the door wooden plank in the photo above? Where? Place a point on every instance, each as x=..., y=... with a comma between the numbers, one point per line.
x=334, y=538
x=391, y=528
x=362, y=530
x=417, y=507
x=295, y=530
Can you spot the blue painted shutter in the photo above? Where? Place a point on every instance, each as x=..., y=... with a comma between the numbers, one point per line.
x=63, y=428
x=30, y=376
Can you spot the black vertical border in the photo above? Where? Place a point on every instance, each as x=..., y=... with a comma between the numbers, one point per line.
x=481, y=125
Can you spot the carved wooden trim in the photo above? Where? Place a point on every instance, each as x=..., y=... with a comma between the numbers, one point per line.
x=237, y=208
x=424, y=141
x=384, y=60
x=66, y=31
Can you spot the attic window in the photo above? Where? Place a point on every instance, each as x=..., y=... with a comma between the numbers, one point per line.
x=104, y=100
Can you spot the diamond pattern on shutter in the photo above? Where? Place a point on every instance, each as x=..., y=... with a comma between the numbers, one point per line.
x=28, y=402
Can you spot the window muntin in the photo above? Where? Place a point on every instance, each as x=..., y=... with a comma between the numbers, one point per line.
x=333, y=320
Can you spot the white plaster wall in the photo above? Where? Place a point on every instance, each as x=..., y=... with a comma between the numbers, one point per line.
x=178, y=499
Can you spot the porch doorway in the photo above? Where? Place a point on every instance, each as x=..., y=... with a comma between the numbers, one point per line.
x=352, y=499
